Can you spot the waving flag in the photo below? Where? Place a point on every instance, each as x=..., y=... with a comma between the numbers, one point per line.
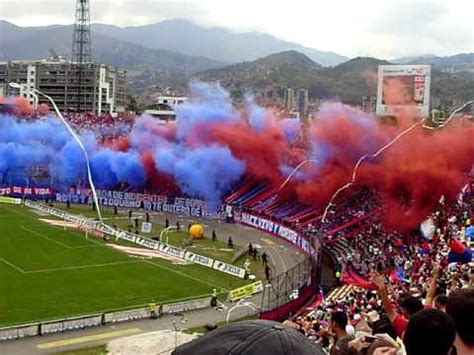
x=398, y=274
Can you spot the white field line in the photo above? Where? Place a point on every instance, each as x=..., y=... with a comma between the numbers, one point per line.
x=73, y=232
x=109, y=264
x=81, y=267
x=12, y=265
x=66, y=268
x=45, y=237
x=77, y=233
x=185, y=275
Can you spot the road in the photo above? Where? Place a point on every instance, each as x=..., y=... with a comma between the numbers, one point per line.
x=96, y=336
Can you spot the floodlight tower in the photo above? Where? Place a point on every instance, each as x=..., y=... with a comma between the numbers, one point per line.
x=81, y=48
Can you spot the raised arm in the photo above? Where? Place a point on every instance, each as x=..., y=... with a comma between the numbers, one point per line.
x=433, y=284
x=382, y=291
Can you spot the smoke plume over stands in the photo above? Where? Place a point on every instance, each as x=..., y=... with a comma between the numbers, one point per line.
x=213, y=146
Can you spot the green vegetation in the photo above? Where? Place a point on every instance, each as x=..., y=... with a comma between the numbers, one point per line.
x=49, y=272
x=346, y=82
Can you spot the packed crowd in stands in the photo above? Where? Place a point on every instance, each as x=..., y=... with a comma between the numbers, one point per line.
x=106, y=126
x=413, y=294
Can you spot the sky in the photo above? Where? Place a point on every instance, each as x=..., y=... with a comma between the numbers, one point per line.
x=378, y=28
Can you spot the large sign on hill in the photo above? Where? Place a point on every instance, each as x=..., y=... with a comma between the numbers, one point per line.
x=403, y=87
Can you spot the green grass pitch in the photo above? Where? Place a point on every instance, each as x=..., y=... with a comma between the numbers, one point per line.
x=48, y=272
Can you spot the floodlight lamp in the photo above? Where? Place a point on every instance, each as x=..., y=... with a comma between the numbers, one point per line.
x=15, y=85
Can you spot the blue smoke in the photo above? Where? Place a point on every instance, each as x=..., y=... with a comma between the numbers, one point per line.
x=257, y=114
x=111, y=168
x=205, y=172
x=46, y=143
x=291, y=127
x=209, y=104
x=200, y=166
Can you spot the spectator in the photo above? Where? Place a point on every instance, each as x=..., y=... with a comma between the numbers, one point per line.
x=440, y=302
x=431, y=332
x=369, y=345
x=460, y=308
x=338, y=323
x=267, y=272
x=409, y=306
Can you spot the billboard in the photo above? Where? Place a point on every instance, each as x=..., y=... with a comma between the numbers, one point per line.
x=403, y=87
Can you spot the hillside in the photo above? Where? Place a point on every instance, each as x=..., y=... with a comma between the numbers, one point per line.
x=282, y=69
x=459, y=63
x=347, y=82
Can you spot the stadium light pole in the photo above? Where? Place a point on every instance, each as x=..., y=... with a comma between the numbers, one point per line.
x=74, y=135
x=30, y=91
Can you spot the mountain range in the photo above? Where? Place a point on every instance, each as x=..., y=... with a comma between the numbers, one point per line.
x=179, y=36
x=186, y=37
x=35, y=42
x=347, y=82
x=463, y=62
x=171, y=52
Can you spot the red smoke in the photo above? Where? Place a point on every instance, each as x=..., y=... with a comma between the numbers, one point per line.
x=413, y=175
x=158, y=180
x=410, y=176
x=263, y=151
x=22, y=107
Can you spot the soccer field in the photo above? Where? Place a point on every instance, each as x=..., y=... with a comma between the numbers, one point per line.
x=48, y=272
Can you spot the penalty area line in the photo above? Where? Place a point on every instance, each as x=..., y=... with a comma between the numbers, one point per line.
x=185, y=275
x=13, y=266
x=81, y=267
x=45, y=237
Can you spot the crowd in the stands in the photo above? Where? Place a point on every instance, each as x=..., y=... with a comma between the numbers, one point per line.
x=107, y=126
x=413, y=294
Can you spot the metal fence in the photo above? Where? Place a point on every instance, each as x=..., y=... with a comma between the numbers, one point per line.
x=289, y=285
x=86, y=321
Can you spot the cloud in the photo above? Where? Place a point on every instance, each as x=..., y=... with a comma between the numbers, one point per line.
x=118, y=12
x=384, y=29
x=411, y=28
x=406, y=18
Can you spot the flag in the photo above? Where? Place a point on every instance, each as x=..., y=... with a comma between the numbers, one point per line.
x=397, y=274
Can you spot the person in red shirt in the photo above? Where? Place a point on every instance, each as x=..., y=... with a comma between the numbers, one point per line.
x=408, y=306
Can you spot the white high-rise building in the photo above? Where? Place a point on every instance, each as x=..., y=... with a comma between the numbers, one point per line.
x=103, y=91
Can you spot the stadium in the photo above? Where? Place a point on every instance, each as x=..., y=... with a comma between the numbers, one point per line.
x=233, y=228
x=70, y=249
